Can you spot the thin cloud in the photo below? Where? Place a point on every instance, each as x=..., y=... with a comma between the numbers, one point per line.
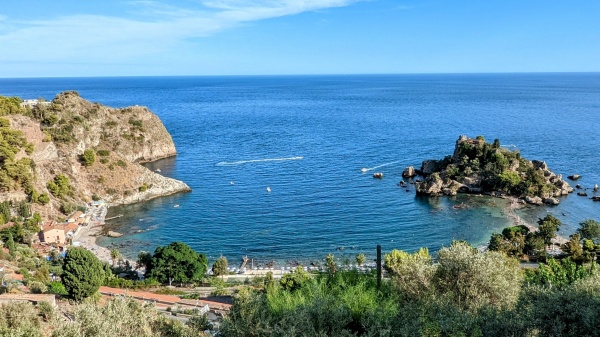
x=152, y=28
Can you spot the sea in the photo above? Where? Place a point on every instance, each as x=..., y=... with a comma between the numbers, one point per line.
x=276, y=163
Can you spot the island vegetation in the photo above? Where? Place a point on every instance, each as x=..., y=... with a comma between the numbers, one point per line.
x=480, y=167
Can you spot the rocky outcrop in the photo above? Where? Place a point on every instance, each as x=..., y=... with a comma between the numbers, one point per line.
x=582, y=194
x=479, y=167
x=378, y=175
x=574, y=177
x=409, y=172
x=428, y=167
x=120, y=139
x=551, y=201
x=534, y=200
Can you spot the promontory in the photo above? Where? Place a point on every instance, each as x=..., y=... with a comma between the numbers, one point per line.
x=61, y=153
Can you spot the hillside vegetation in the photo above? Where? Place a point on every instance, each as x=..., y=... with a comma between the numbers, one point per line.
x=60, y=154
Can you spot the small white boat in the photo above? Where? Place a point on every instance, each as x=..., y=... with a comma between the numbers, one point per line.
x=364, y=169
x=268, y=189
x=176, y=205
x=157, y=170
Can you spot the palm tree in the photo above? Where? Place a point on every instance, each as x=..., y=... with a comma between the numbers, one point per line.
x=114, y=255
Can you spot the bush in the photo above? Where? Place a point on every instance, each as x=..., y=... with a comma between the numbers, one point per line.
x=57, y=288
x=88, y=157
x=103, y=153
x=37, y=287
x=121, y=163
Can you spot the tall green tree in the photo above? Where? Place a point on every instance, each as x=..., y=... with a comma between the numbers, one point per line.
x=177, y=262
x=589, y=229
x=219, y=268
x=10, y=244
x=548, y=226
x=83, y=273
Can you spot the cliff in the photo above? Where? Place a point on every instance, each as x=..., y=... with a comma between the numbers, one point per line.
x=480, y=167
x=78, y=150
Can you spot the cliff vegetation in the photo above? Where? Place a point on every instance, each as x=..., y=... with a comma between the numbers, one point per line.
x=62, y=153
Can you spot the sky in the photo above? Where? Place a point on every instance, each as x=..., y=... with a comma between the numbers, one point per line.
x=74, y=38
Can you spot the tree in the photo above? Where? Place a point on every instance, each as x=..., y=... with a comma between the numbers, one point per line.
x=143, y=260
x=330, y=263
x=83, y=273
x=115, y=254
x=548, y=226
x=473, y=280
x=360, y=259
x=589, y=229
x=412, y=274
x=573, y=247
x=219, y=268
x=177, y=262
x=10, y=244
x=88, y=157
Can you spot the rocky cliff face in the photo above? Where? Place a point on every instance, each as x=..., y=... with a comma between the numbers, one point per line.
x=480, y=167
x=120, y=140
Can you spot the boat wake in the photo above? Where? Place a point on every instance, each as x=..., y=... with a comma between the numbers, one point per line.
x=367, y=169
x=241, y=162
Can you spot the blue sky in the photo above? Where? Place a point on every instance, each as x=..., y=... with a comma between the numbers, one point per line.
x=63, y=38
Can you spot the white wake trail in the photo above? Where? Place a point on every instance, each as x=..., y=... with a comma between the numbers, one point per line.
x=241, y=162
x=367, y=169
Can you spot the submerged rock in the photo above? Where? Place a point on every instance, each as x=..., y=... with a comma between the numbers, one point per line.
x=378, y=175
x=574, y=176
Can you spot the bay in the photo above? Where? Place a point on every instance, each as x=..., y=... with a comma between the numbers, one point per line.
x=307, y=139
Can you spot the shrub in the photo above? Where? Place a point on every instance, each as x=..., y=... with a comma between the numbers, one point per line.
x=37, y=287
x=88, y=157
x=103, y=153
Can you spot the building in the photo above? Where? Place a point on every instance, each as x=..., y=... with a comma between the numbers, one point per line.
x=52, y=232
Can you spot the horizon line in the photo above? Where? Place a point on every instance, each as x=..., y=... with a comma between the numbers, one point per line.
x=313, y=74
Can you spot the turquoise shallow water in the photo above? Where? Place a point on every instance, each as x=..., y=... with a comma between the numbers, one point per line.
x=307, y=138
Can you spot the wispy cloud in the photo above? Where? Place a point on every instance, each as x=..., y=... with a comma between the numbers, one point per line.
x=152, y=27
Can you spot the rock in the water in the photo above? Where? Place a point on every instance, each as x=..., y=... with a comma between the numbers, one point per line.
x=574, y=177
x=409, y=172
x=432, y=186
x=596, y=188
x=578, y=186
x=113, y=234
x=534, y=200
x=596, y=198
x=429, y=166
x=378, y=175
x=582, y=194
x=551, y=201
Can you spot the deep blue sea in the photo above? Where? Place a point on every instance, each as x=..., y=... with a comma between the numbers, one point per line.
x=307, y=139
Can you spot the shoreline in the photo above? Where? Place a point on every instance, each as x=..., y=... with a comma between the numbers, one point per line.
x=86, y=235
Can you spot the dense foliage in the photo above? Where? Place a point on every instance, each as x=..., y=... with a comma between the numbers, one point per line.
x=494, y=168
x=177, y=262
x=83, y=273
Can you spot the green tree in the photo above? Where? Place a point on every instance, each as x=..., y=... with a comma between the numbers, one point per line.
x=83, y=273
x=88, y=157
x=412, y=274
x=557, y=273
x=219, y=268
x=177, y=262
x=143, y=260
x=10, y=244
x=589, y=229
x=548, y=226
x=295, y=280
x=474, y=280
x=115, y=254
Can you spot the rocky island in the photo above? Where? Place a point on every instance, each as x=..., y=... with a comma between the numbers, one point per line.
x=480, y=167
x=66, y=152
